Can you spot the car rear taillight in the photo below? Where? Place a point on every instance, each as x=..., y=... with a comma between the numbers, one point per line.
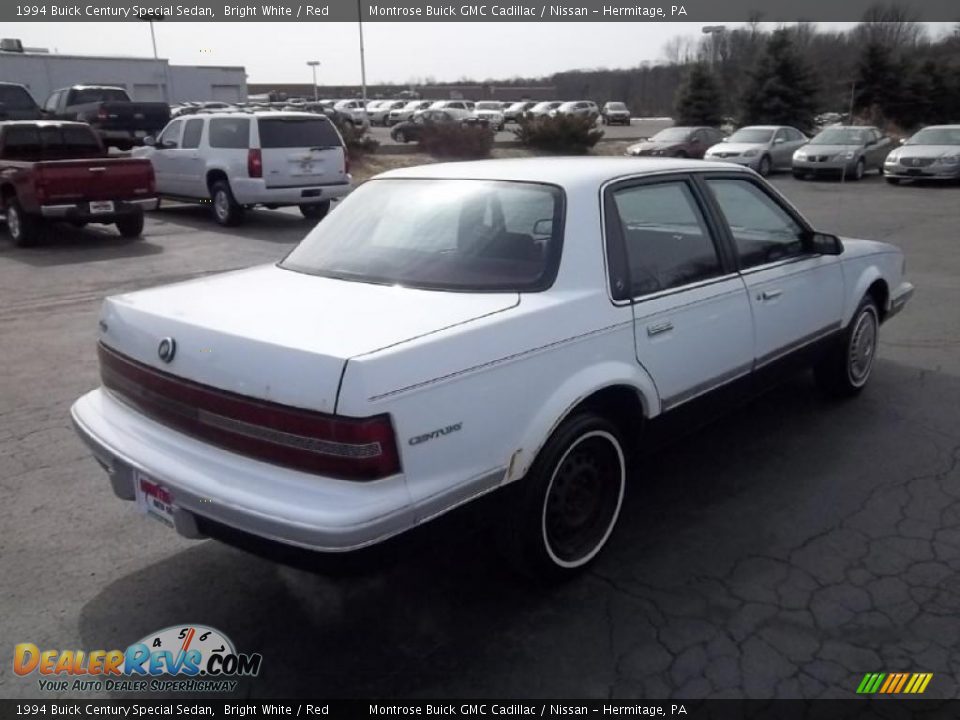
x=346, y=162
x=254, y=163
x=102, y=114
x=331, y=445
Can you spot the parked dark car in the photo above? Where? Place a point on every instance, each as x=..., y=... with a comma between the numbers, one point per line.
x=52, y=170
x=16, y=103
x=845, y=150
x=514, y=111
x=615, y=113
x=119, y=121
x=411, y=130
x=690, y=142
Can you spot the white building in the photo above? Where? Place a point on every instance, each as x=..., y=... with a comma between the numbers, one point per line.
x=143, y=78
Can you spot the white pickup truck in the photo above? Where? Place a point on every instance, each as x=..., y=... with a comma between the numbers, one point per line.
x=454, y=330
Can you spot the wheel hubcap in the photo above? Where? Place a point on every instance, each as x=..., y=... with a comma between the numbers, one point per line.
x=583, y=499
x=221, y=205
x=13, y=222
x=863, y=345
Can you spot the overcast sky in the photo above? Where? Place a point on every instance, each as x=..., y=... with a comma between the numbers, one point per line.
x=395, y=52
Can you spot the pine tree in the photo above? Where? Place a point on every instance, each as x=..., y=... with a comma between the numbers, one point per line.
x=879, y=82
x=782, y=90
x=699, y=100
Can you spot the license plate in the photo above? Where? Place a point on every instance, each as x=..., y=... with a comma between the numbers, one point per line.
x=101, y=206
x=140, y=133
x=914, y=172
x=153, y=499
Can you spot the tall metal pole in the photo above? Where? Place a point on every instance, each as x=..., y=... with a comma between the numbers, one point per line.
x=363, y=66
x=313, y=64
x=153, y=39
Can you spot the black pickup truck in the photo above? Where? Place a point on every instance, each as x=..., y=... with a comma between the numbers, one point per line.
x=16, y=103
x=119, y=121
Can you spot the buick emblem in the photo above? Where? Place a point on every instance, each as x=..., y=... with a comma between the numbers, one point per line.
x=167, y=349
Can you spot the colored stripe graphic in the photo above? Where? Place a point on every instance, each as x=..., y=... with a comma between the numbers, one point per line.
x=894, y=683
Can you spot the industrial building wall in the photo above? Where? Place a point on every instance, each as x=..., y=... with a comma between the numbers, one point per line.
x=143, y=78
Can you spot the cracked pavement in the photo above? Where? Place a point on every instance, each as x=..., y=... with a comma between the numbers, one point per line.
x=782, y=552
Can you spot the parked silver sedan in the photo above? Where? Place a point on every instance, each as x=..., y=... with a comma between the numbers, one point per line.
x=845, y=150
x=931, y=154
x=763, y=148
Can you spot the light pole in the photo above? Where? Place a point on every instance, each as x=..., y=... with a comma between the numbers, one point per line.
x=713, y=31
x=363, y=66
x=314, y=64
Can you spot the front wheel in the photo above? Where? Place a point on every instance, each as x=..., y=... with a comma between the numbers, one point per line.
x=315, y=211
x=859, y=169
x=892, y=180
x=226, y=210
x=764, y=168
x=562, y=513
x=845, y=370
x=131, y=226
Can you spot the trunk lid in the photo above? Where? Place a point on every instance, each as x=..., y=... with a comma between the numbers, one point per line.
x=279, y=335
x=94, y=179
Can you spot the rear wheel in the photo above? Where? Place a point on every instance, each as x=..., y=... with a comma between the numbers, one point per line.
x=131, y=226
x=316, y=211
x=226, y=210
x=562, y=513
x=844, y=372
x=24, y=228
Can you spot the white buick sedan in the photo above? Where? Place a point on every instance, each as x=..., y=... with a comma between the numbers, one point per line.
x=454, y=330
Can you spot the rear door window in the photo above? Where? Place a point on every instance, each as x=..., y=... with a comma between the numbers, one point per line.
x=229, y=133
x=297, y=133
x=192, y=132
x=21, y=143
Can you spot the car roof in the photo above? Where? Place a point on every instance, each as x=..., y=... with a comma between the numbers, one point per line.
x=258, y=114
x=567, y=172
x=764, y=127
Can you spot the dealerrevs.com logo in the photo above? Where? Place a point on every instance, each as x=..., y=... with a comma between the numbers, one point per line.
x=181, y=658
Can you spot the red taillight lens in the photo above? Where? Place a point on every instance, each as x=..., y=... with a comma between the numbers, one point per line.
x=346, y=163
x=102, y=114
x=348, y=448
x=254, y=163
x=151, y=180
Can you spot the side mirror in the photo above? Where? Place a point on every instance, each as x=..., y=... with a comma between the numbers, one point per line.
x=779, y=141
x=150, y=140
x=902, y=140
x=543, y=227
x=824, y=243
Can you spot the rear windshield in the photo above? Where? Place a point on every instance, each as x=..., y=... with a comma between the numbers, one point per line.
x=459, y=235
x=13, y=97
x=50, y=143
x=91, y=95
x=297, y=133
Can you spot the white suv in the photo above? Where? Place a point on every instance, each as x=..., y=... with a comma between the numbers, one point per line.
x=238, y=160
x=460, y=109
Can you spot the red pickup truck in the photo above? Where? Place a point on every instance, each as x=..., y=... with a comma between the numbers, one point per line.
x=53, y=170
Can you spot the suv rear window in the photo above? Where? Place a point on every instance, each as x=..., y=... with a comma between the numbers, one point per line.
x=231, y=133
x=15, y=97
x=459, y=235
x=297, y=133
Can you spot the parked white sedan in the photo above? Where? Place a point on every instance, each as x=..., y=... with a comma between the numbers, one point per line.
x=457, y=329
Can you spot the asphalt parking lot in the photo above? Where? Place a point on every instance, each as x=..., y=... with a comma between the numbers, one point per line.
x=783, y=552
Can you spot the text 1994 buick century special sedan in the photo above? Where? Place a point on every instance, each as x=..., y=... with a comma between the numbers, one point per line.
x=455, y=329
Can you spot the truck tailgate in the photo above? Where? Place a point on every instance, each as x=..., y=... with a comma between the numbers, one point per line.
x=96, y=179
x=147, y=116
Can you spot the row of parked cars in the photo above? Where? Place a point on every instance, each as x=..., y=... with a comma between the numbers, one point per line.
x=846, y=150
x=57, y=170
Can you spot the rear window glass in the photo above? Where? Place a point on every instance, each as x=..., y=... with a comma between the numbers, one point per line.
x=231, y=133
x=15, y=98
x=459, y=235
x=297, y=133
x=91, y=95
x=50, y=142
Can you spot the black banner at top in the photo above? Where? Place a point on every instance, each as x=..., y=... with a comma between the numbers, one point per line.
x=697, y=11
x=503, y=709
